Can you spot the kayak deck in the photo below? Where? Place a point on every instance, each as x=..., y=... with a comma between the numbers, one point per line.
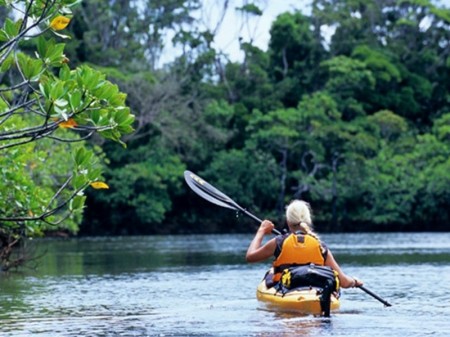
x=305, y=300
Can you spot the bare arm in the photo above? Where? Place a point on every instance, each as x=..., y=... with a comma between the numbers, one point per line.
x=345, y=280
x=256, y=252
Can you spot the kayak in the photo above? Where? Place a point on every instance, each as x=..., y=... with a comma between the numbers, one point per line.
x=304, y=300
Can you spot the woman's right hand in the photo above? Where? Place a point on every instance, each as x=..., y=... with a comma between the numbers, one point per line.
x=266, y=227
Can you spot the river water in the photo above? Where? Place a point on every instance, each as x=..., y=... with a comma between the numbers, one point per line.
x=200, y=285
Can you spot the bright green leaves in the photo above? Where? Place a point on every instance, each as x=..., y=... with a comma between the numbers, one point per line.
x=87, y=170
x=378, y=63
x=347, y=76
x=104, y=105
x=31, y=68
x=82, y=95
x=10, y=29
x=77, y=203
x=82, y=157
x=50, y=52
x=277, y=128
x=86, y=96
x=41, y=189
x=31, y=175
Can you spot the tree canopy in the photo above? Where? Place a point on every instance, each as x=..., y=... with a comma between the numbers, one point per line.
x=348, y=109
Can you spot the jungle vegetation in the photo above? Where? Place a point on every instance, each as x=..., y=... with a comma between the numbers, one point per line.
x=348, y=108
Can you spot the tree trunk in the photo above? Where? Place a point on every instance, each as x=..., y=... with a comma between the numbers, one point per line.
x=334, y=194
x=283, y=178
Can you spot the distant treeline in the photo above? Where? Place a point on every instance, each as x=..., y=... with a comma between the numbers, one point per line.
x=358, y=125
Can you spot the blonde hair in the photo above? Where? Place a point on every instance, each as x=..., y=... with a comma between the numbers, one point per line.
x=298, y=213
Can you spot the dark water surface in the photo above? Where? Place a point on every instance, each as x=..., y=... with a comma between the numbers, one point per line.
x=201, y=286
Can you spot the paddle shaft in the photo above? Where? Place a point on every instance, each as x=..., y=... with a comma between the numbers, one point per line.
x=274, y=231
x=386, y=303
x=213, y=195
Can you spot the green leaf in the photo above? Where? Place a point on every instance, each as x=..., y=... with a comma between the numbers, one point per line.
x=11, y=29
x=79, y=156
x=41, y=45
x=54, y=54
x=75, y=100
x=56, y=90
x=64, y=72
x=77, y=203
x=45, y=89
x=86, y=159
x=3, y=36
x=79, y=181
x=94, y=174
x=31, y=68
x=7, y=63
x=95, y=116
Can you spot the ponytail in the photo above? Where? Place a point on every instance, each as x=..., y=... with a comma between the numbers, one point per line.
x=307, y=230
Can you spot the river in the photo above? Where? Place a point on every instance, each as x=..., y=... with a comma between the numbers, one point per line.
x=200, y=285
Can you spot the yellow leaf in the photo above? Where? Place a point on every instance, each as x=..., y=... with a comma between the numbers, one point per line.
x=70, y=123
x=59, y=23
x=99, y=185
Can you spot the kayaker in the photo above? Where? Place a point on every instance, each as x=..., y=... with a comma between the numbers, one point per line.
x=301, y=246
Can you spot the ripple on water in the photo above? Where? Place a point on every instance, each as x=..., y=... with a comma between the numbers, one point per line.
x=216, y=297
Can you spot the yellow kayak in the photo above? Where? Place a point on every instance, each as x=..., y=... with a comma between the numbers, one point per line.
x=305, y=301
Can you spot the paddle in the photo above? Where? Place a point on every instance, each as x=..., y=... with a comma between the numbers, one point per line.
x=213, y=195
x=386, y=303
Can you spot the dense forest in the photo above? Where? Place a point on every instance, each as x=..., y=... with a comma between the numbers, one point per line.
x=358, y=125
x=348, y=108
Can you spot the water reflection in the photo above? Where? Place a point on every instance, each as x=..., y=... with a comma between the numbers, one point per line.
x=291, y=324
x=201, y=286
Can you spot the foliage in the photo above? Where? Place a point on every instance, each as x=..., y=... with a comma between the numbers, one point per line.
x=355, y=122
x=348, y=108
x=47, y=110
x=140, y=193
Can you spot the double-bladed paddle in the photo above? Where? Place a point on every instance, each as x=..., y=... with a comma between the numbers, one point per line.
x=213, y=195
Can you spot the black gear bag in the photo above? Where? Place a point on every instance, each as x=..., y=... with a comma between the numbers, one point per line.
x=307, y=276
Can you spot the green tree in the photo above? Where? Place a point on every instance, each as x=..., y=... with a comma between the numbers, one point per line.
x=378, y=183
x=251, y=178
x=128, y=34
x=348, y=81
x=295, y=50
x=402, y=43
x=431, y=157
x=46, y=107
x=141, y=194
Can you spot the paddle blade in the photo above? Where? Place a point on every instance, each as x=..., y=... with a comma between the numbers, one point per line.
x=209, y=192
x=213, y=195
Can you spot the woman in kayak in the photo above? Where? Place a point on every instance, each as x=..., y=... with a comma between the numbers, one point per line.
x=299, y=247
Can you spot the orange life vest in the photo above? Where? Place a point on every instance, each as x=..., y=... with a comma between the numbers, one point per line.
x=298, y=249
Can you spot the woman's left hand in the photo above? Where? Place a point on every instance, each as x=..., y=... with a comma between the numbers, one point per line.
x=357, y=283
